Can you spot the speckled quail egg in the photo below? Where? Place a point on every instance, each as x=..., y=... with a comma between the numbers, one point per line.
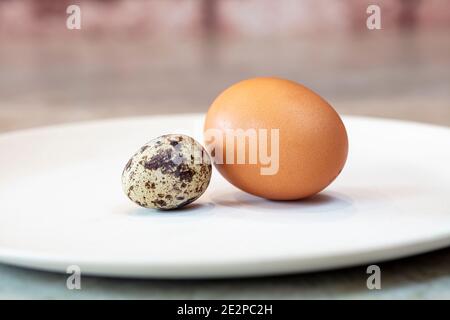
x=168, y=172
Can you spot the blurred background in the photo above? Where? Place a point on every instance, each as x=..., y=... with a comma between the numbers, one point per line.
x=143, y=57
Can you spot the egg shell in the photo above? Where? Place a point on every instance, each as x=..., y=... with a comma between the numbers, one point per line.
x=168, y=172
x=313, y=143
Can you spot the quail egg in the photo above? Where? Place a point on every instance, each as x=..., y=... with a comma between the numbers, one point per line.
x=168, y=172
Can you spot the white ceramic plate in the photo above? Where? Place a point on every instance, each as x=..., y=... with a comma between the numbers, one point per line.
x=61, y=204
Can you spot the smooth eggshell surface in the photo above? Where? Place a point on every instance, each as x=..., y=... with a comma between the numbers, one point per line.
x=313, y=141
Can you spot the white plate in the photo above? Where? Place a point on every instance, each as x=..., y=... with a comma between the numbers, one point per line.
x=61, y=204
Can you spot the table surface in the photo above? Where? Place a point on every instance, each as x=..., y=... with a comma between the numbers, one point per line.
x=395, y=76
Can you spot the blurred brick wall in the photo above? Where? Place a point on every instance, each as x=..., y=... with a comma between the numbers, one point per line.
x=155, y=18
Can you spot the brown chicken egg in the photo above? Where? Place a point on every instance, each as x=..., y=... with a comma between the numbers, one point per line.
x=275, y=138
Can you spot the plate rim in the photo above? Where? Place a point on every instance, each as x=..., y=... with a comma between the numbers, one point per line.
x=293, y=264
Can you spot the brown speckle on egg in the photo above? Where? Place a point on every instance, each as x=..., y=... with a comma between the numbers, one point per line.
x=168, y=172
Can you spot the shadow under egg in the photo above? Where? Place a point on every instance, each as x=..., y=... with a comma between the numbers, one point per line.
x=329, y=203
x=192, y=209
